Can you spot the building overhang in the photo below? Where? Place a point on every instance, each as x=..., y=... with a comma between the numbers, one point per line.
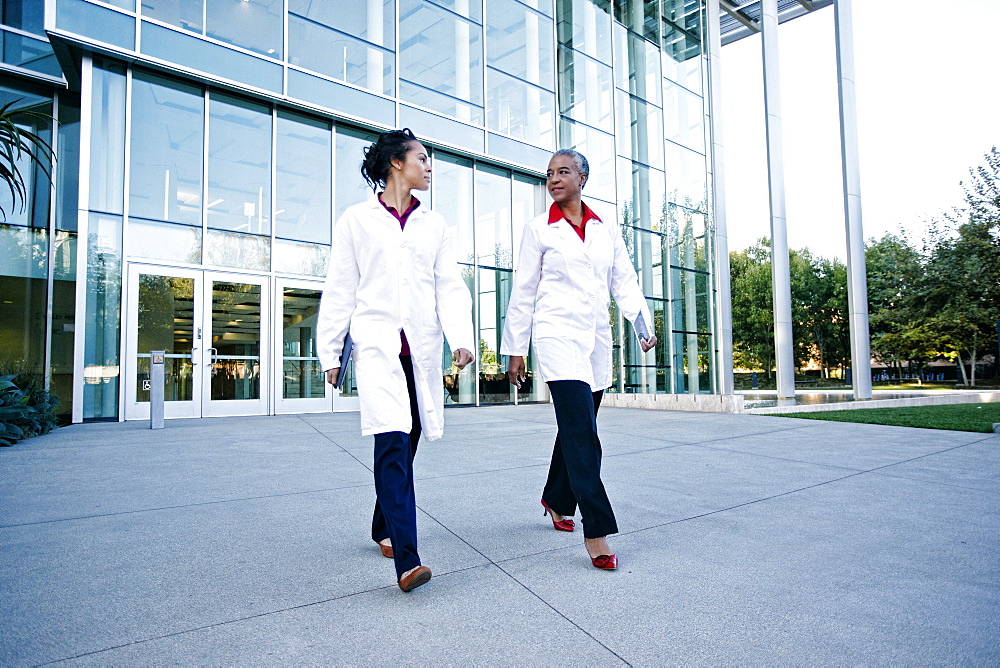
x=741, y=18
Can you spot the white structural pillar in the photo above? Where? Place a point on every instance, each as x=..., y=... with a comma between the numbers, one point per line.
x=724, y=297
x=857, y=279
x=781, y=283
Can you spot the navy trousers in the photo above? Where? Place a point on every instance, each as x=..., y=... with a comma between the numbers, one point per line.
x=575, y=471
x=395, y=515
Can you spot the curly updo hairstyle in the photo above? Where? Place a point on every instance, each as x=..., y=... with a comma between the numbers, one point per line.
x=392, y=145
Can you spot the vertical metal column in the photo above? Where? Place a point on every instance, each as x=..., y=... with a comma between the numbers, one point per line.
x=857, y=279
x=723, y=296
x=156, y=359
x=781, y=282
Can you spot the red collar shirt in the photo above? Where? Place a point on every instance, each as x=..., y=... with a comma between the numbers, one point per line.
x=404, y=345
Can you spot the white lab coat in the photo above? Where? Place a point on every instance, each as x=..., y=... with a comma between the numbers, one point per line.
x=560, y=299
x=382, y=280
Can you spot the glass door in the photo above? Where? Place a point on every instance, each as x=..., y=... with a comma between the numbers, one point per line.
x=236, y=356
x=300, y=385
x=164, y=313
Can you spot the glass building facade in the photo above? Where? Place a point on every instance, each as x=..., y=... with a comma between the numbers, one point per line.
x=204, y=149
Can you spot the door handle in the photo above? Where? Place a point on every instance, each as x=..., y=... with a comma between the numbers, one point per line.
x=212, y=352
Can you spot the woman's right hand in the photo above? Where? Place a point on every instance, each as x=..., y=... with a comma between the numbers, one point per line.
x=332, y=375
x=515, y=371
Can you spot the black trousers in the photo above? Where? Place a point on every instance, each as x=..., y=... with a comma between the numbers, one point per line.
x=395, y=515
x=575, y=471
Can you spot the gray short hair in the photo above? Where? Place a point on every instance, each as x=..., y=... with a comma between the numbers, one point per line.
x=581, y=162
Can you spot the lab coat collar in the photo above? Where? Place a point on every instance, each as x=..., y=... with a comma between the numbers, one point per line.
x=556, y=214
x=374, y=203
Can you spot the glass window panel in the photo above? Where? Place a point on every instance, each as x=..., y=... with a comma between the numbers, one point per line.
x=107, y=145
x=693, y=360
x=31, y=113
x=23, y=297
x=441, y=61
x=236, y=338
x=688, y=238
x=646, y=372
x=520, y=110
x=303, y=180
x=637, y=65
x=187, y=14
x=585, y=90
x=684, y=116
x=460, y=386
x=302, y=376
x=237, y=250
x=351, y=186
x=102, y=319
x=255, y=25
x=599, y=149
x=640, y=128
x=166, y=150
x=687, y=177
x=239, y=165
x=494, y=295
x=353, y=46
x=63, y=320
x=470, y=9
x=528, y=200
x=68, y=163
x=166, y=322
x=29, y=53
x=293, y=257
x=27, y=15
x=585, y=25
x=647, y=251
x=451, y=187
x=641, y=188
x=516, y=42
x=682, y=57
x=691, y=300
x=642, y=16
x=493, y=231
x=150, y=240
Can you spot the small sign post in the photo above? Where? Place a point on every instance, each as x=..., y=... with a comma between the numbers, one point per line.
x=156, y=358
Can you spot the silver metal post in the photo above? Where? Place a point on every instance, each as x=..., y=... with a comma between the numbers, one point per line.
x=857, y=278
x=156, y=359
x=781, y=282
x=724, y=297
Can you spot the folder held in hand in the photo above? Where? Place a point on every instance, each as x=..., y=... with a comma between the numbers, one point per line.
x=641, y=329
x=345, y=357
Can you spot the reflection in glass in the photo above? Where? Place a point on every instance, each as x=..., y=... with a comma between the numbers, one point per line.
x=150, y=240
x=645, y=200
x=528, y=200
x=460, y=386
x=684, y=117
x=303, y=188
x=293, y=257
x=355, y=46
x=166, y=322
x=35, y=209
x=351, y=186
x=585, y=25
x=451, y=188
x=302, y=375
x=515, y=44
x=166, y=150
x=240, y=251
x=68, y=163
x=63, y=320
x=23, y=270
x=26, y=15
x=641, y=16
x=585, y=90
x=637, y=65
x=646, y=372
x=520, y=110
x=493, y=297
x=440, y=60
x=107, y=142
x=639, y=129
x=29, y=53
x=103, y=317
x=239, y=165
x=599, y=149
x=682, y=39
x=493, y=232
x=255, y=25
x=687, y=178
x=235, y=337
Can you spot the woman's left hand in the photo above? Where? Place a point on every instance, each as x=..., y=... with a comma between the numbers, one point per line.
x=461, y=358
x=647, y=344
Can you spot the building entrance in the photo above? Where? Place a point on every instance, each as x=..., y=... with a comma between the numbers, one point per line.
x=215, y=330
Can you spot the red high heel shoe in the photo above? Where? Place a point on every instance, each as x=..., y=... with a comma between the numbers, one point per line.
x=606, y=562
x=559, y=525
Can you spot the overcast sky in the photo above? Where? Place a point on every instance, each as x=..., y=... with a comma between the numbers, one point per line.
x=928, y=109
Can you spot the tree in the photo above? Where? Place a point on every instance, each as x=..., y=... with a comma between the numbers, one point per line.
x=19, y=146
x=753, y=322
x=894, y=269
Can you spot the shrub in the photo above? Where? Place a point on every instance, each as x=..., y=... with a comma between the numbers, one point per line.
x=24, y=412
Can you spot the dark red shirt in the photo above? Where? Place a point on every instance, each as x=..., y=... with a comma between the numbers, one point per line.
x=404, y=344
x=556, y=214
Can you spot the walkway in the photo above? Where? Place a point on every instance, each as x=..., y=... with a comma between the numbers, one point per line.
x=745, y=540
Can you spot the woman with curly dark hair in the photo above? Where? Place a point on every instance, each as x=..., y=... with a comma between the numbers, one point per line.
x=394, y=285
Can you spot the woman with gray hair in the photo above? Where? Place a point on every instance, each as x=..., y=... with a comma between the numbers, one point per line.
x=569, y=263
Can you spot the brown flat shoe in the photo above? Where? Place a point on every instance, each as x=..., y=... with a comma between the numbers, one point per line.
x=418, y=576
x=386, y=550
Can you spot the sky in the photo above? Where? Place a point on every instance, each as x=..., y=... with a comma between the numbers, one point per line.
x=928, y=109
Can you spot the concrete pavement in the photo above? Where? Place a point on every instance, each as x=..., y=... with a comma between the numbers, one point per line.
x=745, y=540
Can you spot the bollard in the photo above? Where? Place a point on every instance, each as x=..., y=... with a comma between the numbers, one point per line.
x=754, y=381
x=156, y=389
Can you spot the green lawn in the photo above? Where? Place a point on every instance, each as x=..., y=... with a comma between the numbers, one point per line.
x=960, y=417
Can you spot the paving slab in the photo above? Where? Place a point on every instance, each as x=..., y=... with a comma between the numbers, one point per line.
x=745, y=540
